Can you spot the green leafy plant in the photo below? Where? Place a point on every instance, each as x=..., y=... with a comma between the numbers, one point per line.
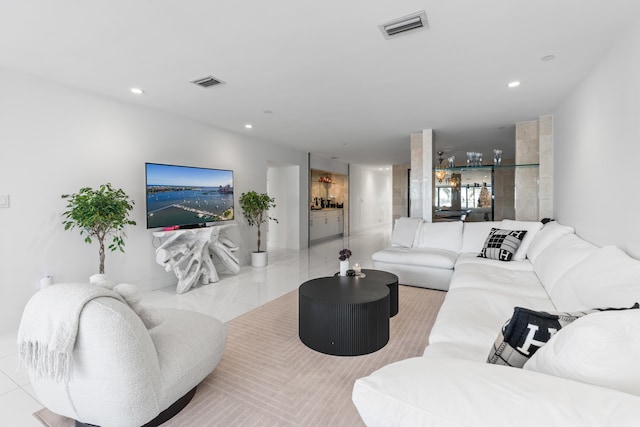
x=254, y=208
x=99, y=213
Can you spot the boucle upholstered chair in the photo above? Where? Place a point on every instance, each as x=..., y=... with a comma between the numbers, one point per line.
x=125, y=375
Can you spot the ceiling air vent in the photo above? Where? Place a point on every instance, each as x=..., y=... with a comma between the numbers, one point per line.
x=398, y=26
x=207, y=82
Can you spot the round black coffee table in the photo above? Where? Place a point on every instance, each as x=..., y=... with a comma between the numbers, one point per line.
x=343, y=316
x=385, y=278
x=388, y=279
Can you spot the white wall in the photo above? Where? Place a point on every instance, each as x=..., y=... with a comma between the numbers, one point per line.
x=597, y=150
x=55, y=140
x=283, y=184
x=370, y=194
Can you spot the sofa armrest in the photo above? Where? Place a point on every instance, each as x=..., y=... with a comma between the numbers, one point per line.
x=453, y=392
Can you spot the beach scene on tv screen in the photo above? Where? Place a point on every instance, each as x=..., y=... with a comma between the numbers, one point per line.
x=180, y=195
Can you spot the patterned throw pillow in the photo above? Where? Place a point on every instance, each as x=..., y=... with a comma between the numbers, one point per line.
x=529, y=330
x=502, y=244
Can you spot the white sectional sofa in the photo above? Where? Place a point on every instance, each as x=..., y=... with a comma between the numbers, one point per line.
x=587, y=374
x=424, y=254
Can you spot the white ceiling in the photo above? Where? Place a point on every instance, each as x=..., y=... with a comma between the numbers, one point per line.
x=334, y=85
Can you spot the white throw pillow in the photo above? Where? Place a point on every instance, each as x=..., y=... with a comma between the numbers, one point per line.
x=602, y=349
x=532, y=228
x=405, y=231
x=549, y=233
x=475, y=233
x=608, y=277
x=560, y=256
x=441, y=235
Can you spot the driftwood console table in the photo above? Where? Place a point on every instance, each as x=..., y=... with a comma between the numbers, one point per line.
x=188, y=254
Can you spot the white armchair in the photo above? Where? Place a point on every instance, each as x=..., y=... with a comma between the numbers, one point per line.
x=125, y=375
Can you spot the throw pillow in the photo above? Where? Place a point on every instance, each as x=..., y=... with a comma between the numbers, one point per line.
x=606, y=277
x=502, y=244
x=532, y=228
x=600, y=349
x=546, y=236
x=405, y=231
x=528, y=330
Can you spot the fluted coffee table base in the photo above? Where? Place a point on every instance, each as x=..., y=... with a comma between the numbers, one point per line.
x=342, y=316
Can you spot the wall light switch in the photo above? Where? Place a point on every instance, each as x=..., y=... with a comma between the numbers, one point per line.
x=4, y=200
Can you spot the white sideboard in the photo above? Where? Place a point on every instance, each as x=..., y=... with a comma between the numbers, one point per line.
x=326, y=223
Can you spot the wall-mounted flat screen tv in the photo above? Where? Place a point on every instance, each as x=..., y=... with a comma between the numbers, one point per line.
x=187, y=196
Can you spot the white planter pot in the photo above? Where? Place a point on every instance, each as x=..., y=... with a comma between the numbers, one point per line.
x=259, y=259
x=99, y=279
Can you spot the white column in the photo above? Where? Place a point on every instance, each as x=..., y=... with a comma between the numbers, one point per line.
x=545, y=192
x=534, y=185
x=422, y=175
x=526, y=181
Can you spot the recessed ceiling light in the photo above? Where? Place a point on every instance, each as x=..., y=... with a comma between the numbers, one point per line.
x=514, y=84
x=548, y=58
x=136, y=90
x=248, y=126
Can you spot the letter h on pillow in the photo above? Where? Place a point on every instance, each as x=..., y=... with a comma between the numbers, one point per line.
x=529, y=330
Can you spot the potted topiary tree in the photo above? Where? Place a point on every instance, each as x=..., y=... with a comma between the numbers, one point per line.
x=99, y=213
x=254, y=208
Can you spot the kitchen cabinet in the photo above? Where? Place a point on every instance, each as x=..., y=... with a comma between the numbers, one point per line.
x=326, y=223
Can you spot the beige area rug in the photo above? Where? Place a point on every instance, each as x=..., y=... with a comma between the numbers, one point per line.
x=267, y=377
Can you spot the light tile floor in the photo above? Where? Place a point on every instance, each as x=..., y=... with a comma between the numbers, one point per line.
x=232, y=296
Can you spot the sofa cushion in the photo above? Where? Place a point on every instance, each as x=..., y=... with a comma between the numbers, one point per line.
x=527, y=331
x=600, y=349
x=472, y=258
x=427, y=257
x=502, y=244
x=532, y=228
x=474, y=234
x=607, y=277
x=455, y=350
x=517, y=283
x=454, y=393
x=560, y=256
x=476, y=308
x=441, y=235
x=549, y=233
x=406, y=231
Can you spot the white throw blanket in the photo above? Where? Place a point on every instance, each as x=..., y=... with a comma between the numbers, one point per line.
x=49, y=327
